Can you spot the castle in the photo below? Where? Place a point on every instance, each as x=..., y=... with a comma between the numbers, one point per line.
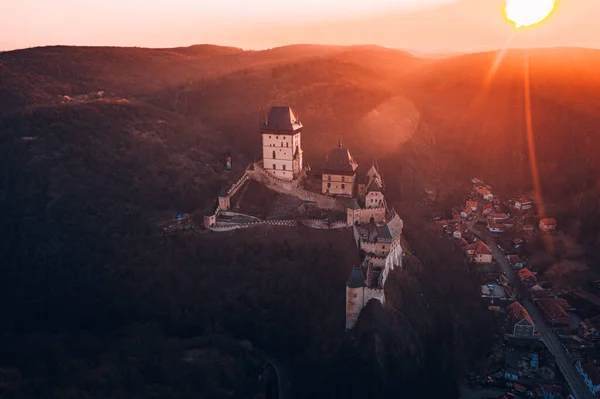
x=377, y=229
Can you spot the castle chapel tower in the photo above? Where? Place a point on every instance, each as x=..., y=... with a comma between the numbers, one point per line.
x=282, y=147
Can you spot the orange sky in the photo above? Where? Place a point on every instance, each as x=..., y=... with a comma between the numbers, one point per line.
x=439, y=26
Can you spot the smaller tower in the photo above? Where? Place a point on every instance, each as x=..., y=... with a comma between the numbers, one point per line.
x=355, y=296
x=228, y=161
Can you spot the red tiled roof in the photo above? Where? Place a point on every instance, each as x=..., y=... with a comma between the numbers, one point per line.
x=472, y=204
x=549, y=221
x=516, y=312
x=498, y=215
x=480, y=248
x=525, y=273
x=553, y=311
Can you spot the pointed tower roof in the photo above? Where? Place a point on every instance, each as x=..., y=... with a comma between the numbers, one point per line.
x=340, y=161
x=357, y=279
x=282, y=119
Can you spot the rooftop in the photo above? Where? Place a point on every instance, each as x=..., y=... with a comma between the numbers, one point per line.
x=340, y=160
x=516, y=312
x=357, y=279
x=281, y=119
x=480, y=248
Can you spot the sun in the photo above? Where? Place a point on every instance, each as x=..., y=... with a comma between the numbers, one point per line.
x=528, y=12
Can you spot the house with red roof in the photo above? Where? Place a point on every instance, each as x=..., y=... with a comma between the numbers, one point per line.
x=548, y=224
x=523, y=203
x=478, y=252
x=519, y=321
x=488, y=209
x=554, y=312
x=527, y=277
x=495, y=227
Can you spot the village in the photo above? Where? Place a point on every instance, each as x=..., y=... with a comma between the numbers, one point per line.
x=550, y=336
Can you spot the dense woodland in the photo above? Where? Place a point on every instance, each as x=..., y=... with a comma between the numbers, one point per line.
x=96, y=303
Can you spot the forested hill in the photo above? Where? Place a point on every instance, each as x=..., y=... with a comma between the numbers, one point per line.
x=99, y=144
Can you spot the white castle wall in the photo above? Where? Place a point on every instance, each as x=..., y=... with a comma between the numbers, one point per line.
x=357, y=299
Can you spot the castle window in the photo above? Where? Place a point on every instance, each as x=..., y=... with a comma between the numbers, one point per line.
x=269, y=136
x=274, y=166
x=328, y=185
x=343, y=186
x=282, y=143
x=287, y=144
x=284, y=168
x=274, y=155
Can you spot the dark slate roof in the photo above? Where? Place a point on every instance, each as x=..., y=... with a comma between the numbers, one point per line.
x=282, y=119
x=375, y=186
x=340, y=160
x=210, y=210
x=392, y=229
x=353, y=204
x=356, y=279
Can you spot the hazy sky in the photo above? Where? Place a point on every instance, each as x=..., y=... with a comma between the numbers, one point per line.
x=426, y=25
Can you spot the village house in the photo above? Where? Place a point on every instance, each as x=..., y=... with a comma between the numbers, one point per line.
x=466, y=212
x=588, y=328
x=527, y=277
x=548, y=224
x=516, y=262
x=281, y=142
x=519, y=321
x=484, y=192
x=488, y=209
x=478, y=252
x=523, y=203
x=473, y=205
x=591, y=375
x=498, y=216
x=339, y=173
x=554, y=312
x=495, y=227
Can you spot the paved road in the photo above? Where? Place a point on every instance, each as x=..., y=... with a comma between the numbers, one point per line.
x=549, y=338
x=285, y=391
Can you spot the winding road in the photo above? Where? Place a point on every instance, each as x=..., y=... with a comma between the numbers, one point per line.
x=549, y=338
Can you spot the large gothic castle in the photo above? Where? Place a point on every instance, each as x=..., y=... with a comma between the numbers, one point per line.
x=344, y=186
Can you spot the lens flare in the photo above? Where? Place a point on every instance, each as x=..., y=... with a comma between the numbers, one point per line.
x=528, y=12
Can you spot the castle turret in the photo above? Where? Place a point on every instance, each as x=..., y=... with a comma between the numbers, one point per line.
x=355, y=296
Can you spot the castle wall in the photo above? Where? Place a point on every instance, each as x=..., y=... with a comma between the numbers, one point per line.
x=337, y=184
x=357, y=299
x=379, y=248
x=374, y=199
x=364, y=215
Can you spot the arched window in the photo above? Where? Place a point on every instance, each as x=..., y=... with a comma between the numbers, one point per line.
x=274, y=156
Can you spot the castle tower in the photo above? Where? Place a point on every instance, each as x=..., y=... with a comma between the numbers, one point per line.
x=355, y=296
x=339, y=172
x=281, y=142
